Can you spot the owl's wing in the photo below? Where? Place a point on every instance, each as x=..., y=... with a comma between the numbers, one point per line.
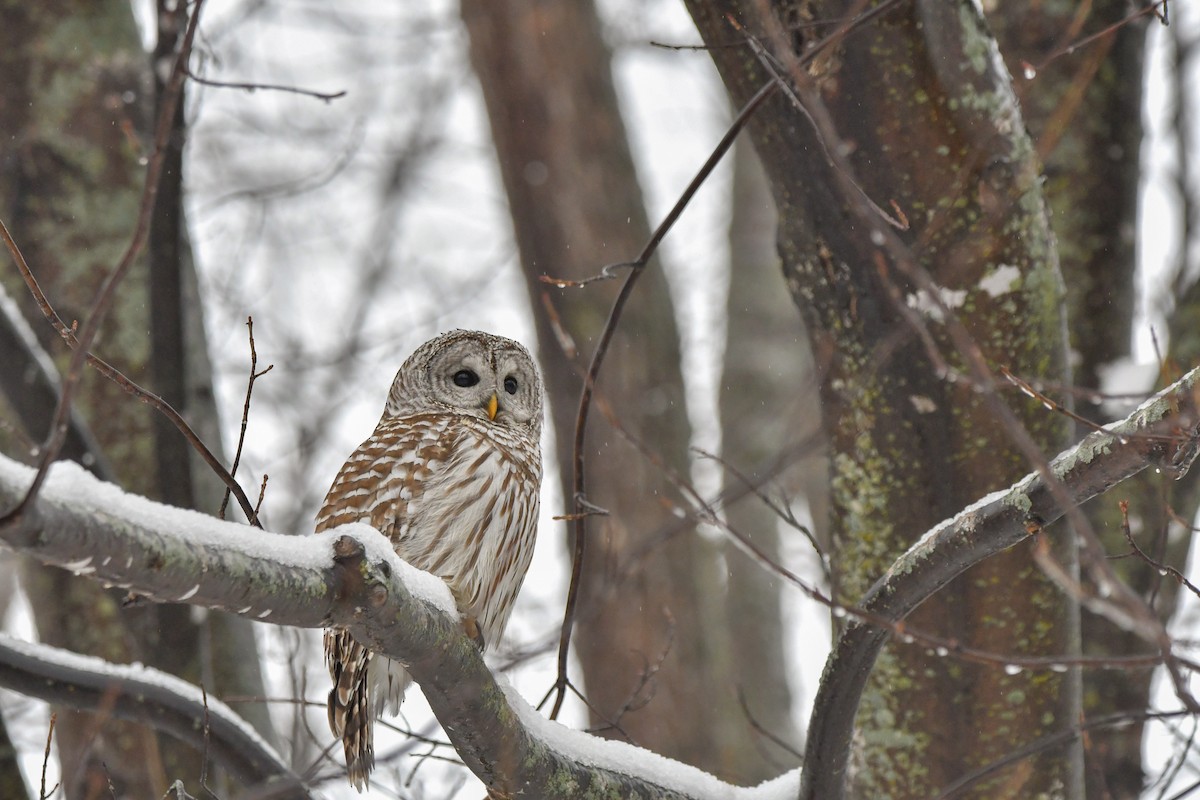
x=387, y=472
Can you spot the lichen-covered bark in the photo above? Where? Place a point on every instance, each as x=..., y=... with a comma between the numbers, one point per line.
x=924, y=108
x=74, y=113
x=995, y=523
x=1083, y=109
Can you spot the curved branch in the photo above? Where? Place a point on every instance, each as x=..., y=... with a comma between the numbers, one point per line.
x=31, y=382
x=146, y=695
x=352, y=578
x=1162, y=432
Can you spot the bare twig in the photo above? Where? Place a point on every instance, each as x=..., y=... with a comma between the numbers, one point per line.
x=636, y=268
x=585, y=397
x=42, y=795
x=1157, y=10
x=1159, y=567
x=237, y=457
x=151, y=399
x=769, y=735
x=266, y=87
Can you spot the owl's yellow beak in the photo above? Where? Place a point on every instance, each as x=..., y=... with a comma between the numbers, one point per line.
x=493, y=405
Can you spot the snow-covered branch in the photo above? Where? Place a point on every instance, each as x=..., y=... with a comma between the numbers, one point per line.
x=1162, y=432
x=352, y=578
x=147, y=695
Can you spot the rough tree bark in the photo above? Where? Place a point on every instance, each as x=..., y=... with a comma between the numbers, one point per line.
x=929, y=125
x=1083, y=108
x=576, y=206
x=77, y=103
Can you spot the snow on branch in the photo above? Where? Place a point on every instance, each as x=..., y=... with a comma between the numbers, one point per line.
x=1163, y=432
x=135, y=692
x=349, y=577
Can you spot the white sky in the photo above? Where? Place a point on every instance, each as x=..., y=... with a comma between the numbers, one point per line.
x=285, y=261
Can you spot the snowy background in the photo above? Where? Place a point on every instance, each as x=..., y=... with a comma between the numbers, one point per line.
x=352, y=230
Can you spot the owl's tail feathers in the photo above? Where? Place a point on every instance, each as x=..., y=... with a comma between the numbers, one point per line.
x=350, y=714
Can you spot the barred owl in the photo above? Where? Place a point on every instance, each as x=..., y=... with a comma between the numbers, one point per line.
x=451, y=475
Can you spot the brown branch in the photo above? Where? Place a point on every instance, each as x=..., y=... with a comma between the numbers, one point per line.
x=237, y=456
x=116, y=376
x=1059, y=739
x=944, y=647
x=266, y=87
x=82, y=341
x=31, y=382
x=107, y=291
x=46, y=757
x=585, y=396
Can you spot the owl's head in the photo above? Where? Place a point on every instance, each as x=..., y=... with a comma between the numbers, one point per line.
x=471, y=373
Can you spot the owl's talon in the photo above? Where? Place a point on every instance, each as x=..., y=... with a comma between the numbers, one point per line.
x=471, y=626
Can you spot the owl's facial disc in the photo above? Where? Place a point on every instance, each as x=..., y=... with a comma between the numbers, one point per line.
x=473, y=374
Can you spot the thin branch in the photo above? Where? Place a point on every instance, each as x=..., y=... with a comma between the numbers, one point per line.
x=1159, y=567
x=46, y=757
x=1055, y=740
x=585, y=397
x=81, y=342
x=266, y=87
x=116, y=376
x=636, y=267
x=237, y=457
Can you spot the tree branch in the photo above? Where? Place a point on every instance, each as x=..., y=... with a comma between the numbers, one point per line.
x=146, y=695
x=352, y=578
x=349, y=577
x=1160, y=432
x=32, y=384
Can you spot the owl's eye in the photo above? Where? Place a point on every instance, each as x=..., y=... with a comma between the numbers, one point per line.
x=510, y=385
x=465, y=378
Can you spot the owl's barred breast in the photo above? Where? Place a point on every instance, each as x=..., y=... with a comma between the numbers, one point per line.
x=451, y=475
x=457, y=497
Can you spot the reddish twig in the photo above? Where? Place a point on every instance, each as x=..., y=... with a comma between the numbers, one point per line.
x=116, y=376
x=42, y=795
x=237, y=456
x=107, y=292
x=636, y=268
x=1069, y=49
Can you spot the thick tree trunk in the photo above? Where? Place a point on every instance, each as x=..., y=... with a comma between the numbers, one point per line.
x=76, y=106
x=1084, y=114
x=931, y=127
x=643, y=636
